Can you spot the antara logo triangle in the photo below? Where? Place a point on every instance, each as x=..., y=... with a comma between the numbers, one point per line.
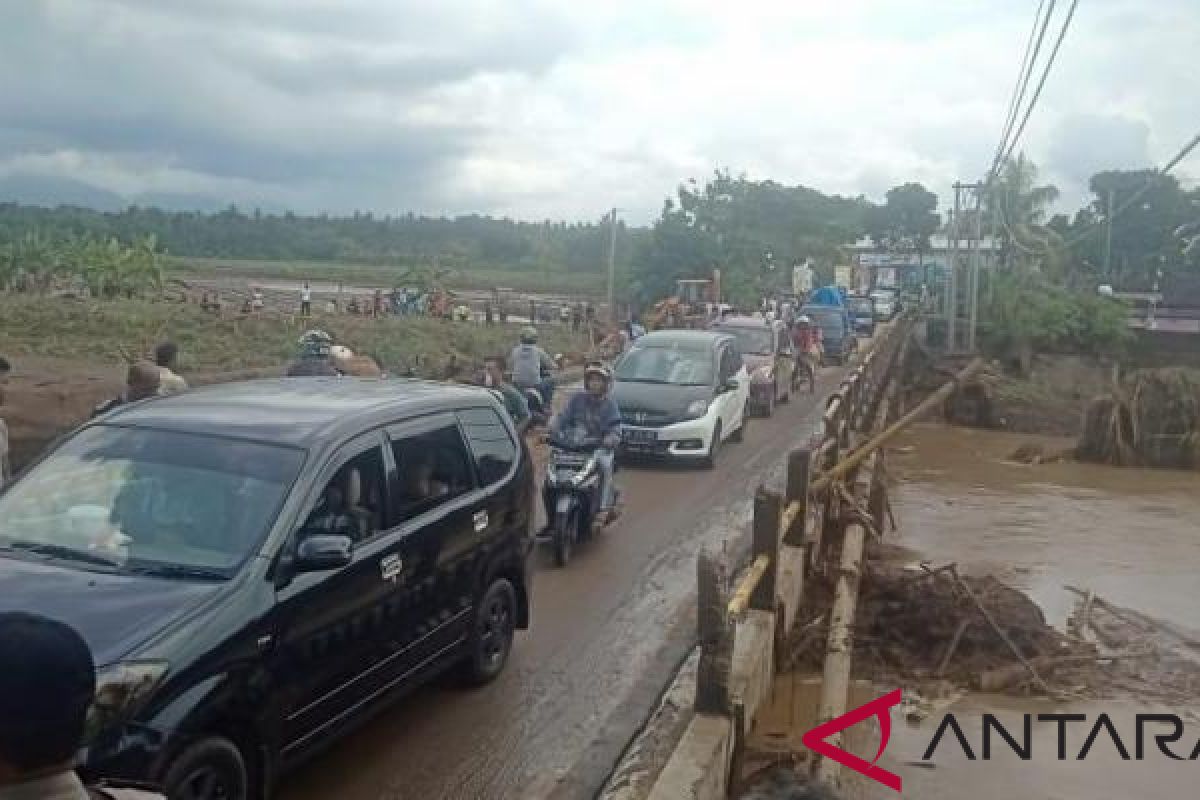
x=878, y=708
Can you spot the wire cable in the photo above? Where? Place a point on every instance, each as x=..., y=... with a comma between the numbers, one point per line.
x=1042, y=81
x=1018, y=96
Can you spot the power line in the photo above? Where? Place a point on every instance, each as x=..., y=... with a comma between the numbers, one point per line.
x=1136, y=196
x=1027, y=62
x=1042, y=81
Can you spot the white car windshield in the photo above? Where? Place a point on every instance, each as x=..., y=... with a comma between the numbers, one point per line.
x=149, y=501
x=673, y=365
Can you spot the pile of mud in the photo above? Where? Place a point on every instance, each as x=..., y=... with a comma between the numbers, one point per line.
x=920, y=624
x=938, y=631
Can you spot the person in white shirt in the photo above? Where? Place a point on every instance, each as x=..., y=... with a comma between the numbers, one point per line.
x=165, y=357
x=306, y=300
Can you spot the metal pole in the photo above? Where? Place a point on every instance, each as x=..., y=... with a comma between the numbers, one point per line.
x=612, y=267
x=993, y=252
x=976, y=253
x=952, y=277
x=1108, y=235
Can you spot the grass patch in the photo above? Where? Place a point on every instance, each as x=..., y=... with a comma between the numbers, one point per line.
x=108, y=332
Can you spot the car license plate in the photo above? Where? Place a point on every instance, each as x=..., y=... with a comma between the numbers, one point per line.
x=640, y=437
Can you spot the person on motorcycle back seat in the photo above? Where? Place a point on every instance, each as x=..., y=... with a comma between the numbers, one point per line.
x=805, y=336
x=532, y=368
x=596, y=412
x=315, y=356
x=514, y=401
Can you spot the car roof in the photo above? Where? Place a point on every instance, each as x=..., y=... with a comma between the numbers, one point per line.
x=682, y=338
x=746, y=322
x=300, y=412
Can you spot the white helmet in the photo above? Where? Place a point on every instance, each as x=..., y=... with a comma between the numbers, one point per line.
x=803, y=318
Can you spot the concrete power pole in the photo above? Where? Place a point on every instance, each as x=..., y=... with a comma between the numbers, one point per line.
x=976, y=252
x=952, y=274
x=612, y=267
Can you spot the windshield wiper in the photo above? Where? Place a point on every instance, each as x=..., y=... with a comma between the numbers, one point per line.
x=184, y=571
x=62, y=552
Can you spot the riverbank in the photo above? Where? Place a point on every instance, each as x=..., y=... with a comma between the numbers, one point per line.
x=1128, y=535
x=70, y=355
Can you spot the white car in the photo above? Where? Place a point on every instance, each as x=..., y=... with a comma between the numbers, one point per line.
x=682, y=394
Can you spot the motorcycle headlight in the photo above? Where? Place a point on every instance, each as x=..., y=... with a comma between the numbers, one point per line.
x=121, y=691
x=697, y=409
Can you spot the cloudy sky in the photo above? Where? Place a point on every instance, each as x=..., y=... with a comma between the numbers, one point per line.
x=561, y=108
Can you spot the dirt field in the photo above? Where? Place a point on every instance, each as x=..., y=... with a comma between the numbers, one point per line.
x=70, y=355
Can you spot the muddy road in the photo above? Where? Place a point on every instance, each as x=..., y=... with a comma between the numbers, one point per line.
x=608, y=632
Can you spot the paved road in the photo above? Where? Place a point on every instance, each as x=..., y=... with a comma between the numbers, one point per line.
x=608, y=632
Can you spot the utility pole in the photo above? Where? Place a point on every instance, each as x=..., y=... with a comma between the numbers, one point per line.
x=952, y=274
x=976, y=251
x=1108, y=235
x=612, y=267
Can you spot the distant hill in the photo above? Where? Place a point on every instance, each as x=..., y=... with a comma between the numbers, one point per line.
x=50, y=192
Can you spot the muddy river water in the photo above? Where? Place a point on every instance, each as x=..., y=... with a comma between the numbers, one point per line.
x=1132, y=536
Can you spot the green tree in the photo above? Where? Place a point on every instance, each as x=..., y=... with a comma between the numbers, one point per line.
x=905, y=221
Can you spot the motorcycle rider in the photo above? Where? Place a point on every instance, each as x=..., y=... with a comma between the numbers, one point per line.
x=596, y=412
x=806, y=340
x=315, y=356
x=532, y=367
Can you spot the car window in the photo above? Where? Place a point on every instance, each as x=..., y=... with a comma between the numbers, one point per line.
x=149, y=500
x=432, y=468
x=352, y=502
x=670, y=364
x=731, y=362
x=751, y=340
x=493, y=447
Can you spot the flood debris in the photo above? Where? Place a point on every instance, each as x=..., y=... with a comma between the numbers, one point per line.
x=1152, y=419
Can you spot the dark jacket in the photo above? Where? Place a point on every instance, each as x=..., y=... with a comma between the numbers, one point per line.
x=598, y=416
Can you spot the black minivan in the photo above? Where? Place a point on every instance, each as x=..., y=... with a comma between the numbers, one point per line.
x=258, y=566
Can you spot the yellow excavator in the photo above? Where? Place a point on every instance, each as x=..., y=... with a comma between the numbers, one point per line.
x=688, y=307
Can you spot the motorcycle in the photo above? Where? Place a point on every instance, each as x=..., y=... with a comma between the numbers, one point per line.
x=540, y=409
x=571, y=495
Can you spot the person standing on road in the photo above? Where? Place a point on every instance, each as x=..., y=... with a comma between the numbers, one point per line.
x=306, y=300
x=47, y=686
x=532, y=367
x=514, y=401
x=166, y=355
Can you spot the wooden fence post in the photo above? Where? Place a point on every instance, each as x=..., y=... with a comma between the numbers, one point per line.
x=799, y=472
x=715, y=631
x=768, y=513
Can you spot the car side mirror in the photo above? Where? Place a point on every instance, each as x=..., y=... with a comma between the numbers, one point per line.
x=322, y=553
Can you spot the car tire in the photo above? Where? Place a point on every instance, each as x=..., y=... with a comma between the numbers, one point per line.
x=211, y=769
x=492, y=632
x=714, y=447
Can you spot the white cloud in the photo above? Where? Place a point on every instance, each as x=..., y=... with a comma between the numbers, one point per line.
x=534, y=108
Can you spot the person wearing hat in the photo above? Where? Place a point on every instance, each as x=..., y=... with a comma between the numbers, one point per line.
x=595, y=411
x=315, y=356
x=47, y=685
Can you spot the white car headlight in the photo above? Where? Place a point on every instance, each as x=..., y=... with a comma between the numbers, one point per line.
x=697, y=409
x=121, y=691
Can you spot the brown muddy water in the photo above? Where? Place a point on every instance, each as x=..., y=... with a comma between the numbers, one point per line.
x=1132, y=536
